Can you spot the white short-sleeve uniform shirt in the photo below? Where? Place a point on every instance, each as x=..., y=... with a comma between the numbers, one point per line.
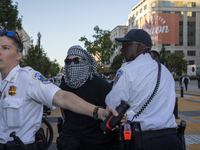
x=135, y=82
x=24, y=91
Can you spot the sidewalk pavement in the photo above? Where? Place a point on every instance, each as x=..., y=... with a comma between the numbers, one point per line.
x=188, y=110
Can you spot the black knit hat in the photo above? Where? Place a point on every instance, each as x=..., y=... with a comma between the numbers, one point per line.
x=138, y=35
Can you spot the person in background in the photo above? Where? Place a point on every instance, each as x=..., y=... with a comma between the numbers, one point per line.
x=23, y=91
x=62, y=79
x=82, y=79
x=180, y=81
x=198, y=79
x=154, y=54
x=49, y=77
x=186, y=80
x=135, y=82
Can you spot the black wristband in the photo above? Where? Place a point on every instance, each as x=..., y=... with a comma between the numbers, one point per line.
x=95, y=112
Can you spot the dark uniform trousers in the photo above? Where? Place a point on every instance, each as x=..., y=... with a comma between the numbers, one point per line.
x=27, y=147
x=166, y=142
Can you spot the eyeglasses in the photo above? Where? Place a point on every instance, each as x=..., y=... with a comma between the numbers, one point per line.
x=126, y=44
x=15, y=36
x=76, y=60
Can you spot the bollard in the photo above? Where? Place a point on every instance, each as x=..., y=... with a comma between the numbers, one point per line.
x=181, y=91
x=176, y=109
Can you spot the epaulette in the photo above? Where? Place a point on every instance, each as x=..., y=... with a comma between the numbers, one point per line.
x=27, y=69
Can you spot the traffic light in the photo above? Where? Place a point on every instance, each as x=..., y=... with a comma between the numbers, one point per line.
x=51, y=67
x=102, y=67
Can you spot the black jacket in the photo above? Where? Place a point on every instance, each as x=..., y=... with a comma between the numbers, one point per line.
x=86, y=129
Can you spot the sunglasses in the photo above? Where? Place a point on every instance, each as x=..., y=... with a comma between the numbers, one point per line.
x=126, y=44
x=76, y=60
x=15, y=36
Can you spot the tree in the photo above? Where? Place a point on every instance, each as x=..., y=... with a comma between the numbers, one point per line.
x=163, y=56
x=38, y=60
x=102, y=47
x=9, y=16
x=116, y=63
x=176, y=63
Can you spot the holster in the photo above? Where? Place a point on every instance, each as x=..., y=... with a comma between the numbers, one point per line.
x=10, y=145
x=180, y=133
x=40, y=139
x=137, y=136
x=60, y=124
x=137, y=139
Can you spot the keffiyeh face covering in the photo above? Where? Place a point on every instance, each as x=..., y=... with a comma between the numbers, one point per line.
x=76, y=74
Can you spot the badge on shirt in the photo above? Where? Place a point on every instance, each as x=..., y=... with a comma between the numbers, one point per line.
x=4, y=96
x=12, y=90
x=41, y=78
x=118, y=75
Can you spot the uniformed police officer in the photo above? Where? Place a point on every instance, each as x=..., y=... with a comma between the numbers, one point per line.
x=154, y=54
x=135, y=82
x=24, y=90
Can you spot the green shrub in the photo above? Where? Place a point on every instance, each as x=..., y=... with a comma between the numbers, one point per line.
x=176, y=78
x=191, y=78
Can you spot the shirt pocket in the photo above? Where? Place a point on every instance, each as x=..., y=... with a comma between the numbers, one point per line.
x=13, y=112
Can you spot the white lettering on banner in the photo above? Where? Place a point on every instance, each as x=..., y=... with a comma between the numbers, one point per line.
x=161, y=29
x=158, y=29
x=154, y=37
x=160, y=18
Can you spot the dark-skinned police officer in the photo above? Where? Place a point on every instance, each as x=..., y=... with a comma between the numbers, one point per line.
x=135, y=82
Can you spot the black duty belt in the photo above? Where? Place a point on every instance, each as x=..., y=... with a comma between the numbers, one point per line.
x=157, y=133
x=2, y=146
x=27, y=147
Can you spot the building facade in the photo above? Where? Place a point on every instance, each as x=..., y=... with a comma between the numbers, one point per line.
x=119, y=31
x=188, y=30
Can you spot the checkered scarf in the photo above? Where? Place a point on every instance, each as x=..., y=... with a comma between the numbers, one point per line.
x=76, y=75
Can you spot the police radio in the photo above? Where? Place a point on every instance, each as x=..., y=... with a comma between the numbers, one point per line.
x=111, y=121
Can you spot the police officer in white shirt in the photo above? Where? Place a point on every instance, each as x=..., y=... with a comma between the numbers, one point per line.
x=23, y=91
x=135, y=82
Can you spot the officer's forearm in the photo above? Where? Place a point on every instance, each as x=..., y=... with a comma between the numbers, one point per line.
x=70, y=101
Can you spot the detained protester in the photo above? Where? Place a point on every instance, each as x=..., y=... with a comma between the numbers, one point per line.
x=23, y=91
x=151, y=102
x=81, y=132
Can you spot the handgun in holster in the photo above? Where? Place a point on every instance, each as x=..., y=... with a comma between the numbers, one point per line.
x=40, y=139
x=180, y=133
x=16, y=144
x=60, y=124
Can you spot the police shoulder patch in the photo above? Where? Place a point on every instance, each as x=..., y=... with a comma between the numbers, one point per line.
x=118, y=75
x=38, y=76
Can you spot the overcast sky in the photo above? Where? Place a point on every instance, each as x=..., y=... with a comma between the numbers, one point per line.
x=62, y=22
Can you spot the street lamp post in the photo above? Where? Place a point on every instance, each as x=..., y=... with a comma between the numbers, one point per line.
x=39, y=36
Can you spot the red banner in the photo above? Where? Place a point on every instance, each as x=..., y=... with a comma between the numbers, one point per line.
x=162, y=27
